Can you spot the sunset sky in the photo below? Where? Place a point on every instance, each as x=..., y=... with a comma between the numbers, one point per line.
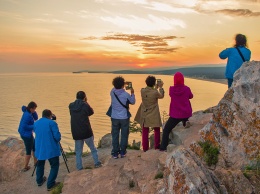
x=66, y=35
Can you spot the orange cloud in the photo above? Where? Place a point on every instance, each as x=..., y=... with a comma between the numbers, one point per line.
x=150, y=44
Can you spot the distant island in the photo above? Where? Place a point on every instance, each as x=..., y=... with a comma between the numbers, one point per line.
x=216, y=72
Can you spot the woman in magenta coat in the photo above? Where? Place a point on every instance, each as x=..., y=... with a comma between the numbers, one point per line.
x=180, y=107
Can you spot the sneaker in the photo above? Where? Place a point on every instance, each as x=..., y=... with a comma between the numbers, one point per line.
x=97, y=165
x=54, y=186
x=123, y=154
x=115, y=156
x=187, y=124
x=43, y=181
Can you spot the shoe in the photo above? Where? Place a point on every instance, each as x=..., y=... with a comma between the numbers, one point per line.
x=55, y=185
x=43, y=181
x=26, y=169
x=97, y=165
x=115, y=156
x=161, y=150
x=187, y=124
x=123, y=154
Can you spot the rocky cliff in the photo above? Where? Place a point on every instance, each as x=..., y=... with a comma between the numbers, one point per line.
x=234, y=130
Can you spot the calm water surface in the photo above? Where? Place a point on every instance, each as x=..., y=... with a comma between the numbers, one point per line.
x=55, y=91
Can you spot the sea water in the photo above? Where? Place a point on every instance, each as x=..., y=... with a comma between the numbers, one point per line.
x=55, y=91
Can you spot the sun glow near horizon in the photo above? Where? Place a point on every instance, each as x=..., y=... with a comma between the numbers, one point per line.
x=125, y=34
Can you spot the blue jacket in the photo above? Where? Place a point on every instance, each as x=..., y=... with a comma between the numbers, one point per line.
x=47, y=137
x=118, y=111
x=26, y=124
x=234, y=59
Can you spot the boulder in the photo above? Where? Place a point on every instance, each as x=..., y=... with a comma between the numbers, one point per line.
x=11, y=158
x=234, y=129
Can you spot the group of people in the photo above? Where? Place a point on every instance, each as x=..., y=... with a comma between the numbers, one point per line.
x=46, y=145
x=148, y=114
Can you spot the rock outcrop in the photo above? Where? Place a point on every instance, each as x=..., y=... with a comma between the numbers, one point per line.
x=235, y=130
x=11, y=158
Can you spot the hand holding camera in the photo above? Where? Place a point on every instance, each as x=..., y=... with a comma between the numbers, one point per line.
x=53, y=117
x=159, y=83
x=128, y=85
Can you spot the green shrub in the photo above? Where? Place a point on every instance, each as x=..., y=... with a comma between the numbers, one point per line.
x=253, y=168
x=133, y=147
x=134, y=127
x=159, y=175
x=210, y=152
x=131, y=184
x=58, y=189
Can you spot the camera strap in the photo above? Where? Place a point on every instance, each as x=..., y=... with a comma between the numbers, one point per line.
x=240, y=54
x=120, y=101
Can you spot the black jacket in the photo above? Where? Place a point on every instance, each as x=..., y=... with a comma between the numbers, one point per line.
x=80, y=125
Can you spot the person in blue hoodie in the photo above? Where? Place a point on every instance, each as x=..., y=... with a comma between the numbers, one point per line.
x=120, y=118
x=47, y=147
x=25, y=130
x=236, y=56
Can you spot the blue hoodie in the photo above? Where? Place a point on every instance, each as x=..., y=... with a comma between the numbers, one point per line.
x=118, y=111
x=47, y=138
x=26, y=124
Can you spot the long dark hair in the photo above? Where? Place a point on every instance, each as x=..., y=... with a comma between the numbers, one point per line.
x=241, y=40
x=31, y=105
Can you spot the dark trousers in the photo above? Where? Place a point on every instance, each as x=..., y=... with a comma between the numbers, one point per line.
x=54, y=163
x=170, y=124
x=117, y=126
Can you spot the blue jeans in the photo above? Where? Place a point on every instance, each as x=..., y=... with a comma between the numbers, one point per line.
x=118, y=124
x=54, y=163
x=230, y=81
x=79, y=149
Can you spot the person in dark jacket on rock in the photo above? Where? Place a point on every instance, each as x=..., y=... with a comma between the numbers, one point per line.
x=81, y=129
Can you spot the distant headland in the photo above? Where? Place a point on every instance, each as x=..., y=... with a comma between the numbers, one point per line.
x=216, y=72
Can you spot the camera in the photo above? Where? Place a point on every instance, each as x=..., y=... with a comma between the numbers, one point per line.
x=128, y=85
x=53, y=117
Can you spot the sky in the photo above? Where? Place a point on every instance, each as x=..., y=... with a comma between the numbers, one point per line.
x=66, y=35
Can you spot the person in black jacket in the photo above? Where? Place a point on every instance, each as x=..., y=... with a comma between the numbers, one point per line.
x=81, y=129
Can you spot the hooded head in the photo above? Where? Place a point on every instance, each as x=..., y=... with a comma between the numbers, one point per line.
x=178, y=78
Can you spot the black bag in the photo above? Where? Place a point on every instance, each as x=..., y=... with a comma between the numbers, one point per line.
x=109, y=111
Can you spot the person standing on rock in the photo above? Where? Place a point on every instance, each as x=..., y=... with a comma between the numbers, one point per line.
x=236, y=56
x=26, y=132
x=120, y=116
x=81, y=129
x=148, y=114
x=47, y=138
x=180, y=107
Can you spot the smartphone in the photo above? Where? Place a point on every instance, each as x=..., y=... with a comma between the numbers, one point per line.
x=159, y=81
x=128, y=85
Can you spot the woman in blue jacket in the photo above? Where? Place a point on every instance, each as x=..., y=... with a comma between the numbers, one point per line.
x=236, y=56
x=26, y=132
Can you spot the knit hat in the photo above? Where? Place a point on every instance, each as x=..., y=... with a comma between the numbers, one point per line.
x=178, y=78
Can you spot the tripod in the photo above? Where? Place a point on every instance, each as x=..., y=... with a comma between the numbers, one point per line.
x=64, y=158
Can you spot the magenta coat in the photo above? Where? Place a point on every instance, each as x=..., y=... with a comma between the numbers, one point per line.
x=180, y=94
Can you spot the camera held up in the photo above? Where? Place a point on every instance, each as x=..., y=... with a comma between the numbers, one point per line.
x=128, y=85
x=53, y=117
